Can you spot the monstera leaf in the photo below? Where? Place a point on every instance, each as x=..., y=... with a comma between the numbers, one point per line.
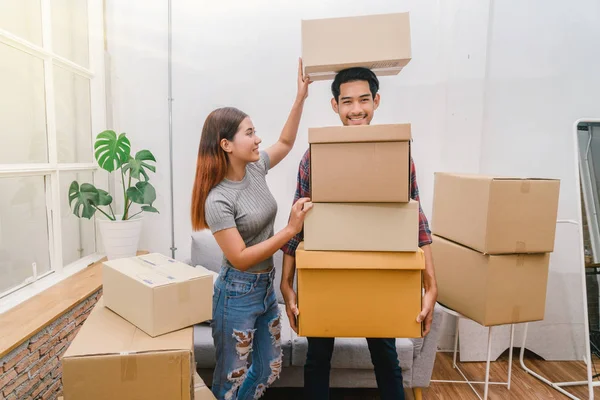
x=111, y=151
x=143, y=193
x=104, y=198
x=137, y=166
x=84, y=197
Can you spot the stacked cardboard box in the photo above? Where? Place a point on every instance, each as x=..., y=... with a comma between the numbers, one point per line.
x=360, y=266
x=379, y=42
x=491, y=245
x=138, y=340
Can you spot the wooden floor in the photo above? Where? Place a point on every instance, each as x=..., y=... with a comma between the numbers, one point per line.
x=523, y=387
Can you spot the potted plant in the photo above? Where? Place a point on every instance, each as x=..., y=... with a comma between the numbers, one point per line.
x=120, y=232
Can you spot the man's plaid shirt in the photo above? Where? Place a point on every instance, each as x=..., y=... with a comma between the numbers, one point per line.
x=303, y=190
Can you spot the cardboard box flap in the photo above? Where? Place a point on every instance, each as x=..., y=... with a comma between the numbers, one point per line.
x=493, y=177
x=360, y=133
x=124, y=338
x=155, y=270
x=355, y=260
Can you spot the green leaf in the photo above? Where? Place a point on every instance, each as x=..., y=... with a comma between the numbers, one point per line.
x=137, y=167
x=112, y=152
x=142, y=193
x=84, y=198
x=149, y=209
x=104, y=198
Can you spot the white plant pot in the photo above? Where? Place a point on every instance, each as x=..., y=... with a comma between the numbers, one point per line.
x=120, y=238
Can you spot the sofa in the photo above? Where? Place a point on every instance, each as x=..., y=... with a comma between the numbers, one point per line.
x=351, y=362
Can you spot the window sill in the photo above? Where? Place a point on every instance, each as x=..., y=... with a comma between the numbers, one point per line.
x=27, y=292
x=29, y=310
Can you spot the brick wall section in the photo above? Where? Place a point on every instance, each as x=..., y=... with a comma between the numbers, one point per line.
x=34, y=369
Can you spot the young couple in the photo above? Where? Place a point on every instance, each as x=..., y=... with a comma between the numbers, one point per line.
x=232, y=199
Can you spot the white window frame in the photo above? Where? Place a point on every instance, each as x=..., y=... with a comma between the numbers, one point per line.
x=96, y=74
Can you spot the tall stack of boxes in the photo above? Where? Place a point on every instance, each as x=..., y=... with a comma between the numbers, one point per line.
x=138, y=340
x=492, y=239
x=360, y=266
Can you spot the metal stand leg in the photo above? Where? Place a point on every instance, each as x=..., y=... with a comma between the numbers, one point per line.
x=510, y=353
x=487, y=365
x=456, y=342
x=559, y=386
x=487, y=381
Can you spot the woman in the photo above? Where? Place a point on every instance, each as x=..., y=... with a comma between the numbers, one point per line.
x=231, y=198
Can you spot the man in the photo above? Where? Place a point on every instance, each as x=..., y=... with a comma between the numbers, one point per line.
x=355, y=100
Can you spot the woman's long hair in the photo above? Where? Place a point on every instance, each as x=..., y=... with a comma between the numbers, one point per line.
x=212, y=163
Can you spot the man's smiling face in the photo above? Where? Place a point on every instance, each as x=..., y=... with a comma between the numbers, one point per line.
x=356, y=104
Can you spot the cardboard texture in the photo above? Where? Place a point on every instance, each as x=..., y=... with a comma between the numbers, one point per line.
x=111, y=359
x=359, y=294
x=157, y=293
x=491, y=289
x=201, y=391
x=368, y=163
x=362, y=227
x=379, y=42
x=504, y=215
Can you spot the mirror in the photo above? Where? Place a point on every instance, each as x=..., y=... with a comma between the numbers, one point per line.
x=588, y=144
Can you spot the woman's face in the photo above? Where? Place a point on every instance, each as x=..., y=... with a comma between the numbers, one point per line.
x=244, y=145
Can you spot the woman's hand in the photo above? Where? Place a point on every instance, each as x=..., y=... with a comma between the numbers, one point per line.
x=303, y=82
x=298, y=214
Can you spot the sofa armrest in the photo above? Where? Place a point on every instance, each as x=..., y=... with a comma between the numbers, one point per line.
x=425, y=351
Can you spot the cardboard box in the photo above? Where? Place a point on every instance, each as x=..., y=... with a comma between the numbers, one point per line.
x=496, y=215
x=369, y=163
x=157, y=293
x=491, y=289
x=201, y=391
x=359, y=294
x=379, y=42
x=110, y=359
x=362, y=227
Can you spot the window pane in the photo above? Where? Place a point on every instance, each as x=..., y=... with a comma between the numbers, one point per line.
x=23, y=230
x=70, y=30
x=78, y=234
x=22, y=18
x=22, y=108
x=73, y=116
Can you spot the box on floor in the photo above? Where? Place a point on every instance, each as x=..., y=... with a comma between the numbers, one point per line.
x=111, y=358
x=359, y=294
x=201, y=391
x=380, y=42
x=156, y=293
x=369, y=163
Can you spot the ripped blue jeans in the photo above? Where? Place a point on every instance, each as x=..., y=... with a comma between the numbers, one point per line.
x=246, y=330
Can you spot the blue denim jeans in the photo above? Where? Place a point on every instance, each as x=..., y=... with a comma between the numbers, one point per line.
x=246, y=330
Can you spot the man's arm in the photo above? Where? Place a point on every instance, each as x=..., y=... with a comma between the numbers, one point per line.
x=289, y=250
x=287, y=290
x=425, y=240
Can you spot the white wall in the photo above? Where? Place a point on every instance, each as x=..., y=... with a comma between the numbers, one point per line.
x=493, y=87
x=227, y=58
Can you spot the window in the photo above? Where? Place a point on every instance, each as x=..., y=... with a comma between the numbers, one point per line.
x=51, y=103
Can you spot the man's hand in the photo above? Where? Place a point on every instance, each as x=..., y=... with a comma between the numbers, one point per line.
x=291, y=305
x=426, y=314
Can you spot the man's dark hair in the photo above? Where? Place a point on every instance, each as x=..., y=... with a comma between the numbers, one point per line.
x=351, y=75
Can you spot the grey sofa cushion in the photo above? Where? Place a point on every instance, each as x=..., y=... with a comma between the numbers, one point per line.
x=207, y=253
x=204, y=349
x=352, y=353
